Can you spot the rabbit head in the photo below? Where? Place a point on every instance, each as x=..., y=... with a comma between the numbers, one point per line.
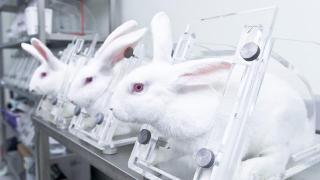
x=177, y=99
x=92, y=80
x=47, y=78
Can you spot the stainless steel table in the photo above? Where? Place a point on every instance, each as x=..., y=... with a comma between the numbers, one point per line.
x=114, y=166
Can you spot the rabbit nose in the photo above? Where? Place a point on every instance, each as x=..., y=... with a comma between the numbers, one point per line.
x=111, y=109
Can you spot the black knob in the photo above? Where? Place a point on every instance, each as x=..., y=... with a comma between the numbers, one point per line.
x=9, y=105
x=144, y=136
x=77, y=110
x=250, y=51
x=99, y=118
x=55, y=101
x=128, y=52
x=205, y=158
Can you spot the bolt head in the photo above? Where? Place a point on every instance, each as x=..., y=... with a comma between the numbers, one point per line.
x=128, y=52
x=77, y=110
x=205, y=158
x=99, y=118
x=144, y=136
x=250, y=51
x=54, y=101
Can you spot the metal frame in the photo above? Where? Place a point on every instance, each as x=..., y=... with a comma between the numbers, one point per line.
x=115, y=166
x=2, y=101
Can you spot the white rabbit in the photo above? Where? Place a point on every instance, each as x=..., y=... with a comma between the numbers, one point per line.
x=91, y=87
x=180, y=101
x=93, y=79
x=48, y=77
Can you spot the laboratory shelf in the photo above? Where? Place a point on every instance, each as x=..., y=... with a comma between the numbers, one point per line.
x=15, y=44
x=53, y=40
x=8, y=126
x=10, y=5
x=15, y=133
x=115, y=166
x=54, y=158
x=8, y=8
x=67, y=37
x=21, y=92
x=11, y=169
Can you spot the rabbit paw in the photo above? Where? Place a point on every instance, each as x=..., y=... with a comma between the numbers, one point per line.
x=250, y=174
x=269, y=165
x=257, y=169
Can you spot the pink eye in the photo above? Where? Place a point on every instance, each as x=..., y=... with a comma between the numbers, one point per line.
x=137, y=87
x=43, y=74
x=88, y=80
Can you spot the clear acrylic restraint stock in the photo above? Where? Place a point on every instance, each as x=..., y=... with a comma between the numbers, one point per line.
x=47, y=101
x=240, y=96
x=49, y=106
x=101, y=129
x=250, y=57
x=279, y=54
x=63, y=109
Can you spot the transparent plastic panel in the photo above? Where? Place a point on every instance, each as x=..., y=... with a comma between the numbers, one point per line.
x=226, y=39
x=97, y=125
x=64, y=109
x=218, y=35
x=55, y=108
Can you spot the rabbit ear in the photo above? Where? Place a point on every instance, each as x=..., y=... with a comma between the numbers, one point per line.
x=41, y=52
x=121, y=30
x=31, y=50
x=115, y=51
x=162, y=37
x=201, y=72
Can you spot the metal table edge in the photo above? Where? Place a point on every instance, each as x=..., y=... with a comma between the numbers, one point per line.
x=105, y=163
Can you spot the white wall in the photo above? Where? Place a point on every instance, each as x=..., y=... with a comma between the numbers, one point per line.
x=296, y=19
x=99, y=10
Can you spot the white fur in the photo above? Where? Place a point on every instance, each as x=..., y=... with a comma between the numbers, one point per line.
x=105, y=68
x=181, y=105
x=101, y=68
x=50, y=64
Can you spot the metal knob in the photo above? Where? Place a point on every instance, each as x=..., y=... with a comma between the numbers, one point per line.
x=99, y=118
x=77, y=110
x=250, y=51
x=144, y=136
x=55, y=101
x=205, y=158
x=128, y=52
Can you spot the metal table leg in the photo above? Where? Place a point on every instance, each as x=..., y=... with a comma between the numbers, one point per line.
x=42, y=155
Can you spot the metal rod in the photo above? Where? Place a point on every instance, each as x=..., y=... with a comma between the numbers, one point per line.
x=41, y=20
x=42, y=155
x=2, y=126
x=240, y=12
x=115, y=166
